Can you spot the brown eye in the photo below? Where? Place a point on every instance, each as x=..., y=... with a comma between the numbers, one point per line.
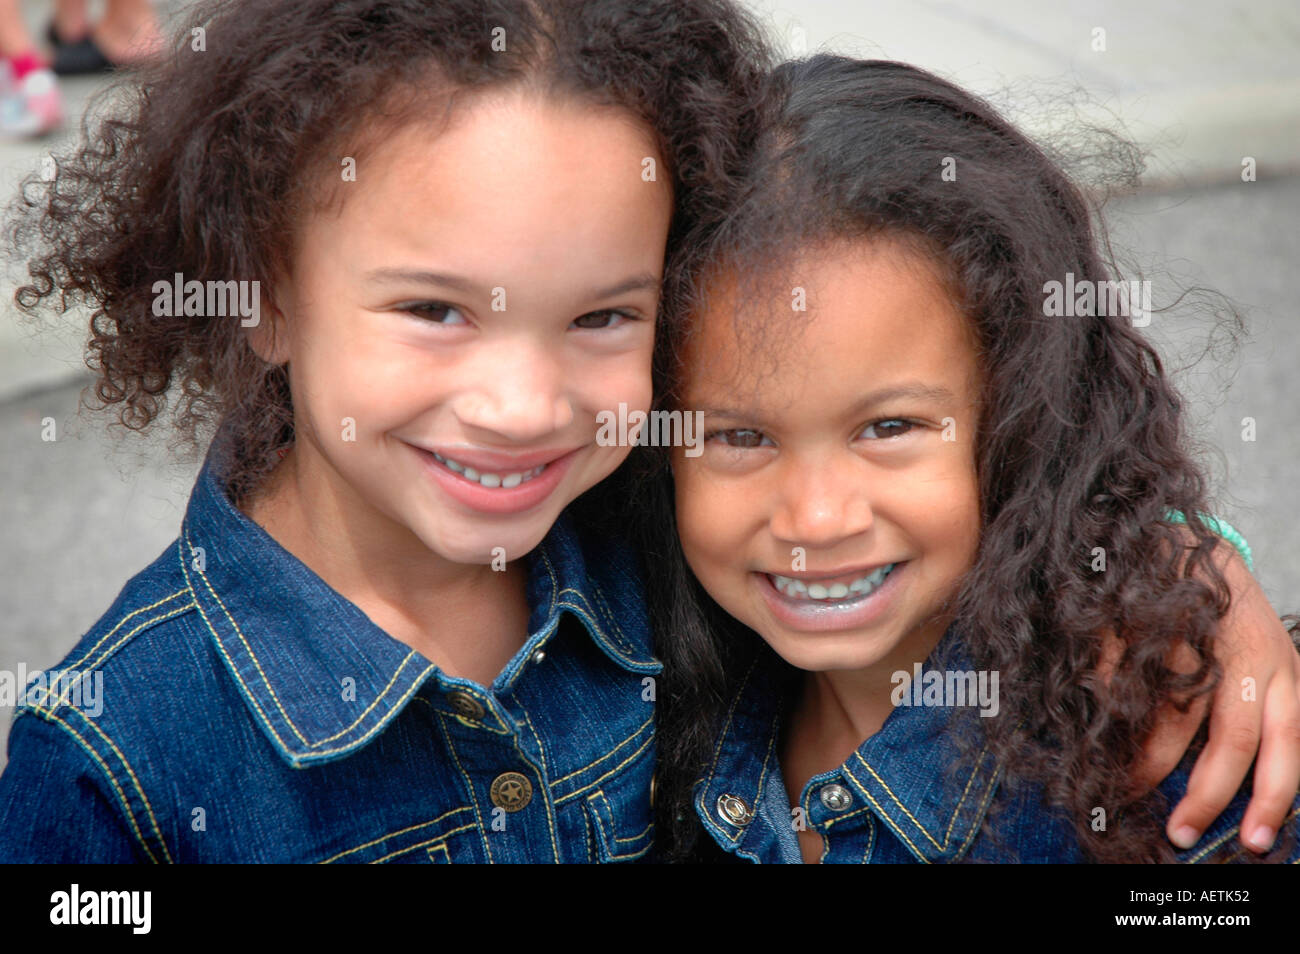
x=601, y=319
x=436, y=313
x=888, y=428
x=742, y=437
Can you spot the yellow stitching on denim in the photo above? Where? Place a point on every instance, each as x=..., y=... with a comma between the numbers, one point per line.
x=473, y=798
x=947, y=834
x=243, y=639
x=894, y=826
x=594, y=814
x=111, y=777
x=613, y=619
x=622, y=647
x=134, y=780
x=600, y=793
x=411, y=690
x=639, y=835
x=1228, y=834
x=871, y=840
x=550, y=815
x=608, y=839
x=396, y=672
x=122, y=622
x=405, y=851
x=312, y=746
x=762, y=772
x=900, y=804
x=994, y=777
x=550, y=571
x=81, y=673
x=446, y=853
x=843, y=818
x=717, y=749
x=731, y=711
x=608, y=755
x=641, y=748
x=394, y=834
x=233, y=668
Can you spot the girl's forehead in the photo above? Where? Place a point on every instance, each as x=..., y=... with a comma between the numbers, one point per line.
x=833, y=315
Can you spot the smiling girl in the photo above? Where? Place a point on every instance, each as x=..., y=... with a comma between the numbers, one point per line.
x=899, y=644
x=383, y=633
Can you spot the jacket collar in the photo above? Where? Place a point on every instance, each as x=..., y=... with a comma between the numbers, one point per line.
x=320, y=679
x=915, y=775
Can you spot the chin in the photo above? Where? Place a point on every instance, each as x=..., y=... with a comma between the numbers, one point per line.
x=823, y=652
x=474, y=545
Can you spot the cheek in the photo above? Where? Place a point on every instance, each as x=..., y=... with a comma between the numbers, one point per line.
x=953, y=521
x=701, y=526
x=602, y=383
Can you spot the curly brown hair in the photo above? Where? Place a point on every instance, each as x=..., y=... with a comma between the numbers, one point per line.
x=1081, y=441
x=207, y=162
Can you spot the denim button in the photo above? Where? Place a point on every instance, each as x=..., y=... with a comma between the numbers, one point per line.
x=734, y=810
x=836, y=797
x=511, y=791
x=465, y=704
x=538, y=656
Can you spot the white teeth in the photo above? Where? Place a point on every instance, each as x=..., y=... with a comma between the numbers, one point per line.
x=490, y=480
x=860, y=587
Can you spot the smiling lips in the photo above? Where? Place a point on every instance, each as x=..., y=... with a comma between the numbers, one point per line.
x=495, y=483
x=833, y=603
x=490, y=480
x=853, y=587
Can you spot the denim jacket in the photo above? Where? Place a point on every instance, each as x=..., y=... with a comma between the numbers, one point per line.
x=910, y=793
x=250, y=713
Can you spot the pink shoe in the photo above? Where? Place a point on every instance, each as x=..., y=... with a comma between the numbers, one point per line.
x=30, y=101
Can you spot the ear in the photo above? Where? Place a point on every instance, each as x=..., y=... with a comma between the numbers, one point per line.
x=268, y=337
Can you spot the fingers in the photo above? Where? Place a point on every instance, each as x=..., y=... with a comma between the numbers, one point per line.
x=1235, y=729
x=1277, y=773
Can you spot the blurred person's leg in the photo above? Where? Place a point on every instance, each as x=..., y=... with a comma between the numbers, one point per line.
x=129, y=31
x=127, y=34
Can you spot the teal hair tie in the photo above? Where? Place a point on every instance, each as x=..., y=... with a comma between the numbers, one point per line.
x=1223, y=529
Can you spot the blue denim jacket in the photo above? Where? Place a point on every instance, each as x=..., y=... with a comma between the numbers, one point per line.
x=250, y=713
x=910, y=793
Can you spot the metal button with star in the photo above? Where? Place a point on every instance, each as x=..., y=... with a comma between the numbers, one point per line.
x=465, y=705
x=511, y=791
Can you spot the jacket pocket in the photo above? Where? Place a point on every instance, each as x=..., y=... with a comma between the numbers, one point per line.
x=615, y=838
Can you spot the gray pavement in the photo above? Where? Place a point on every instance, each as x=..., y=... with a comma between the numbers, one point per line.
x=1199, y=86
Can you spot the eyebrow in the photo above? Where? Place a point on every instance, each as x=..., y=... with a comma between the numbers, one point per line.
x=640, y=282
x=913, y=390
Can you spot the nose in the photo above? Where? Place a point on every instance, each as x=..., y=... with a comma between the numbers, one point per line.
x=520, y=395
x=822, y=501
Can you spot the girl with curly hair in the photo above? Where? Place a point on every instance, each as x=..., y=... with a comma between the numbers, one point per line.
x=393, y=259
x=397, y=256
x=938, y=591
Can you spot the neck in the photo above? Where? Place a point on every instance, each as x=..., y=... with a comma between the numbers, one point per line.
x=388, y=572
x=838, y=710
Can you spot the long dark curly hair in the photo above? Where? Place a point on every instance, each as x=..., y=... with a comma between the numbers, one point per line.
x=206, y=163
x=1081, y=441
